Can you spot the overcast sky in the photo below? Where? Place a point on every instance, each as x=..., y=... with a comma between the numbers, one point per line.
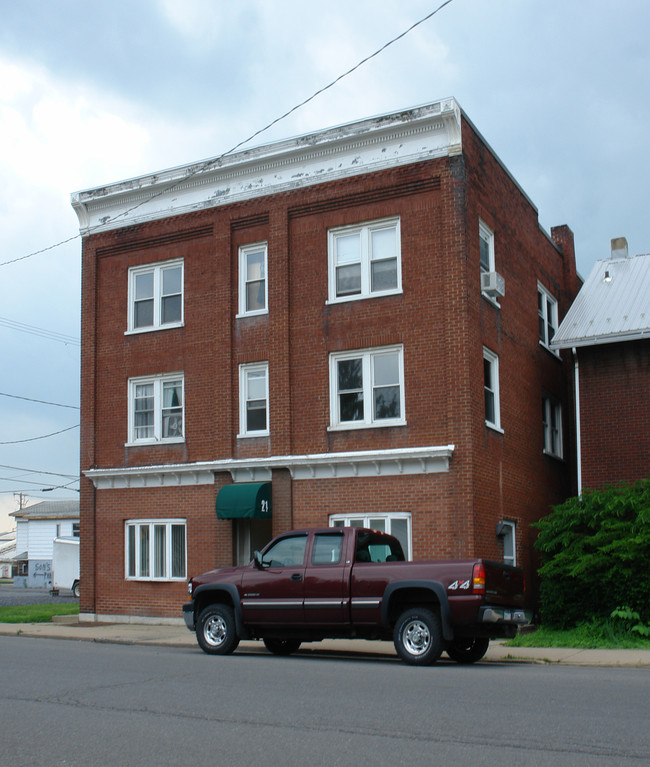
x=95, y=92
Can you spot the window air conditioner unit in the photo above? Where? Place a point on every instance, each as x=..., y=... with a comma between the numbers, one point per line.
x=493, y=284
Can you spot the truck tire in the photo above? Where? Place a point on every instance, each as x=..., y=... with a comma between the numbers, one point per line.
x=418, y=636
x=281, y=646
x=215, y=630
x=468, y=650
x=76, y=591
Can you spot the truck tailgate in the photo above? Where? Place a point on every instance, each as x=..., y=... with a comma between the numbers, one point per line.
x=504, y=584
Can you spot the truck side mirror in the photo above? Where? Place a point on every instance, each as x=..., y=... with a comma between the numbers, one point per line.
x=257, y=560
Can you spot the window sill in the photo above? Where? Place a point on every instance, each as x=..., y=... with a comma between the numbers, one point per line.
x=137, y=579
x=490, y=300
x=153, y=329
x=363, y=296
x=356, y=425
x=243, y=316
x=254, y=434
x=150, y=442
x=555, y=456
x=494, y=427
x=554, y=353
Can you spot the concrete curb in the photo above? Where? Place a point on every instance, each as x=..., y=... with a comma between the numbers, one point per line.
x=69, y=627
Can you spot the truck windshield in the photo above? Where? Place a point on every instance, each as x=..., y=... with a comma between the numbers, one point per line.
x=374, y=547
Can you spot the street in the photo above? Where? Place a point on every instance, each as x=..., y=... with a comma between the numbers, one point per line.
x=13, y=595
x=84, y=703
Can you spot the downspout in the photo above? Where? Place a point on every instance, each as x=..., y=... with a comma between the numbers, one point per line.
x=576, y=386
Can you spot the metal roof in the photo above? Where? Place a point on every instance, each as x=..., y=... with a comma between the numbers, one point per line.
x=49, y=510
x=612, y=306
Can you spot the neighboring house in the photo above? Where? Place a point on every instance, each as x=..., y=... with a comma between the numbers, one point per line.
x=608, y=329
x=36, y=528
x=7, y=554
x=351, y=327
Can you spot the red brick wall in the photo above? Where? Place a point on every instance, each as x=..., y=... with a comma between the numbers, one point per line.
x=614, y=413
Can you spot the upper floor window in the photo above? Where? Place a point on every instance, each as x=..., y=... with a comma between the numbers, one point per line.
x=367, y=388
x=364, y=260
x=156, y=409
x=547, y=315
x=491, y=389
x=254, y=400
x=156, y=296
x=155, y=549
x=486, y=247
x=507, y=531
x=552, y=421
x=253, y=288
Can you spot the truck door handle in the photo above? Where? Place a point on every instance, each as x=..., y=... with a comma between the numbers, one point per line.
x=296, y=577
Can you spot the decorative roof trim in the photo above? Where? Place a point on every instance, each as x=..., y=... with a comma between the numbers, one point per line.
x=376, y=143
x=370, y=463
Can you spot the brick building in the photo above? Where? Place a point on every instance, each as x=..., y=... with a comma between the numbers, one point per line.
x=608, y=330
x=349, y=327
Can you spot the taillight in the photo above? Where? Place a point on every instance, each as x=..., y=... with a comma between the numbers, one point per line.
x=478, y=579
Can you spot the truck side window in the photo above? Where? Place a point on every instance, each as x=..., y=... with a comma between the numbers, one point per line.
x=327, y=549
x=287, y=552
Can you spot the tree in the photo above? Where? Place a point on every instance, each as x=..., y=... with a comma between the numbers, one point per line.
x=596, y=555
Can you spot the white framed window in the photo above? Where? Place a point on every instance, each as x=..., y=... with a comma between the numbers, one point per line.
x=507, y=534
x=155, y=550
x=156, y=296
x=491, y=389
x=552, y=421
x=397, y=524
x=547, y=316
x=253, y=285
x=486, y=247
x=156, y=409
x=367, y=388
x=254, y=400
x=364, y=260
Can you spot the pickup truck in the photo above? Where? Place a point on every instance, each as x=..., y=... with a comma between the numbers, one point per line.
x=351, y=582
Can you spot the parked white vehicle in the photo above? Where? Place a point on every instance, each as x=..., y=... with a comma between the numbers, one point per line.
x=65, y=564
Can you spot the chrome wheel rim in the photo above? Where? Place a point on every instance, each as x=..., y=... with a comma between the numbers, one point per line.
x=416, y=637
x=214, y=631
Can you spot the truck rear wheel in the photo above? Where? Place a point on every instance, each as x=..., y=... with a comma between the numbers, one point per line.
x=468, y=650
x=281, y=646
x=215, y=630
x=418, y=636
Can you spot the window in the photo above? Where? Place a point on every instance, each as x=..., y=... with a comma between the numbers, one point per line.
x=327, y=549
x=366, y=388
x=486, y=246
x=75, y=529
x=552, y=420
x=547, y=315
x=364, y=260
x=397, y=524
x=156, y=296
x=156, y=409
x=156, y=550
x=253, y=291
x=491, y=388
x=287, y=552
x=254, y=400
x=507, y=535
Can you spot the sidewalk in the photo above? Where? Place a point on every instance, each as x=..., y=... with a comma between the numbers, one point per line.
x=179, y=636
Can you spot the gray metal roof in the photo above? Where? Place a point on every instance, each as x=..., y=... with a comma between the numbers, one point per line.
x=49, y=510
x=612, y=306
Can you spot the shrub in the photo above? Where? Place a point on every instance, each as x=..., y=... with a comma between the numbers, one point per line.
x=596, y=555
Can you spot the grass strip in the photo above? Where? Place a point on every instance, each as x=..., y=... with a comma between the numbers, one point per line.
x=587, y=636
x=35, y=613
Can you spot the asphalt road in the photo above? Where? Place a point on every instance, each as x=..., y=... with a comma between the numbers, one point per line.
x=81, y=703
x=12, y=595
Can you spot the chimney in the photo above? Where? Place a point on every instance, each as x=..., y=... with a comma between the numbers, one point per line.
x=619, y=247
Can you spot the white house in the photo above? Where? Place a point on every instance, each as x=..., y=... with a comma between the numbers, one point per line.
x=36, y=528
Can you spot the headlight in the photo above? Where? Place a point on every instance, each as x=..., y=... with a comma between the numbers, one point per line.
x=189, y=589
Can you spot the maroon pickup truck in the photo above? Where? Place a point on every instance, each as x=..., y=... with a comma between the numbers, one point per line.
x=350, y=582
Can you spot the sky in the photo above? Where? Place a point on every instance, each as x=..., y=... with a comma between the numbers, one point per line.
x=92, y=93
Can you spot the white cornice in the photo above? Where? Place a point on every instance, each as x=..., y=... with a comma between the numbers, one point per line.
x=368, y=463
x=412, y=135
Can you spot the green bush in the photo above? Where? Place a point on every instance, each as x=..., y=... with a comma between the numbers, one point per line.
x=596, y=554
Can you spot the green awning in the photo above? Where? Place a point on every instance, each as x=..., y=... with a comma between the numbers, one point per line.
x=248, y=500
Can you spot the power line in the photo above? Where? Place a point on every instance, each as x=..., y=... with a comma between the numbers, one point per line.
x=40, y=401
x=36, y=331
x=38, y=471
x=44, y=436
x=209, y=163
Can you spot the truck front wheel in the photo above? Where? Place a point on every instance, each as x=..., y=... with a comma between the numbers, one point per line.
x=418, y=636
x=468, y=650
x=215, y=630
